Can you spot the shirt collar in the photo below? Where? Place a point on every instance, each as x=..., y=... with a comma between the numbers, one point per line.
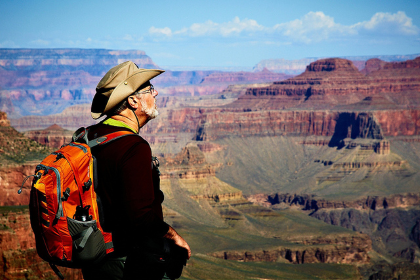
x=111, y=121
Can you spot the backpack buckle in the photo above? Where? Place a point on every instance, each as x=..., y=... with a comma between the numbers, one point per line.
x=66, y=195
x=86, y=185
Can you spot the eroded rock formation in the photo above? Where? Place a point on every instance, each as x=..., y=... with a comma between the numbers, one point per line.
x=17, y=247
x=53, y=136
x=373, y=64
x=196, y=175
x=310, y=202
x=391, y=221
x=11, y=179
x=344, y=250
x=190, y=163
x=334, y=81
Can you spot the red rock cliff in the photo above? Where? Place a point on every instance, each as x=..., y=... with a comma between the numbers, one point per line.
x=53, y=136
x=340, y=77
x=17, y=248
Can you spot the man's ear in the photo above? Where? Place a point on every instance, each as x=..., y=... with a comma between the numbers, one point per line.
x=133, y=102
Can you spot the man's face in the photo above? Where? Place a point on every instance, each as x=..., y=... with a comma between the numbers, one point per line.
x=148, y=102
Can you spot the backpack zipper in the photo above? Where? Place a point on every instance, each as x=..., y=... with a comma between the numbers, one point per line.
x=60, y=212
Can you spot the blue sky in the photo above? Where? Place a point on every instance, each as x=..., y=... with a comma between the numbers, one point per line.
x=216, y=33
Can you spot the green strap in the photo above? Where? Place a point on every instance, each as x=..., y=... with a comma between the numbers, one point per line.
x=111, y=121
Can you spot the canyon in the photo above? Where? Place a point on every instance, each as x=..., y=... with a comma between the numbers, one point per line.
x=317, y=168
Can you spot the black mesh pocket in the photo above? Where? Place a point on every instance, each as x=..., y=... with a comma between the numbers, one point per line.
x=88, y=242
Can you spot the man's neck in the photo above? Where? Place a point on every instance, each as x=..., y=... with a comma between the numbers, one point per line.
x=127, y=117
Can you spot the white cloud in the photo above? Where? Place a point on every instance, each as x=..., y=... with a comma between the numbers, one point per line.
x=166, y=31
x=128, y=37
x=40, y=42
x=8, y=44
x=386, y=23
x=311, y=28
x=210, y=28
x=226, y=29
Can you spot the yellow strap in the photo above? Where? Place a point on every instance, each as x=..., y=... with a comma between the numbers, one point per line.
x=113, y=122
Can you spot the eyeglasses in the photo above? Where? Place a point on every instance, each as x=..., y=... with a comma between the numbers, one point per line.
x=150, y=90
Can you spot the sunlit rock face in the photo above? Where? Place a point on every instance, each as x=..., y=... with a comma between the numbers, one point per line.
x=53, y=136
x=330, y=82
x=17, y=247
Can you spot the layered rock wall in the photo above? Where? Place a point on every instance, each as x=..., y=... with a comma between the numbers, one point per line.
x=11, y=179
x=309, y=202
x=392, y=222
x=353, y=250
x=392, y=230
x=338, y=125
x=53, y=136
x=299, y=65
x=17, y=247
x=71, y=118
x=219, y=197
x=211, y=124
x=337, y=77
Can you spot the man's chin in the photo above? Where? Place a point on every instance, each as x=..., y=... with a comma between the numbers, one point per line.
x=154, y=114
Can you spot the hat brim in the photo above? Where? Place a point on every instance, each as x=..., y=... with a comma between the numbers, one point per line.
x=123, y=90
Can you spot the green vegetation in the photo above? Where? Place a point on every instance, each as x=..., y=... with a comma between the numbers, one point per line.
x=206, y=267
x=15, y=148
x=13, y=209
x=255, y=233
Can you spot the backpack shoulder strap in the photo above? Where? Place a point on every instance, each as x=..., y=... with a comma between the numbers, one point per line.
x=80, y=135
x=108, y=138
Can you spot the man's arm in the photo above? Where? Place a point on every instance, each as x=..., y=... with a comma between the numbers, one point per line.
x=178, y=240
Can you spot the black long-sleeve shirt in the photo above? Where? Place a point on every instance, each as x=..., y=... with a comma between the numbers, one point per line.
x=131, y=203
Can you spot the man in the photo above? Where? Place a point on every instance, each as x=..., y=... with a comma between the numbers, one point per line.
x=126, y=182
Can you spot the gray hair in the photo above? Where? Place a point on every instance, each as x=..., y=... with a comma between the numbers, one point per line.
x=124, y=104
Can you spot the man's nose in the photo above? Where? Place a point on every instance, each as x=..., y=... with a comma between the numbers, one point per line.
x=155, y=93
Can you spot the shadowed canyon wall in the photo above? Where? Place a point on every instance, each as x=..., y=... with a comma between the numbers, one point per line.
x=392, y=222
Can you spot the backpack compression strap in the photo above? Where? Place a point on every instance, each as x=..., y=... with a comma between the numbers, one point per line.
x=80, y=136
x=108, y=138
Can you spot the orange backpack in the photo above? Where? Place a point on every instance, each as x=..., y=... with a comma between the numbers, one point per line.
x=63, y=208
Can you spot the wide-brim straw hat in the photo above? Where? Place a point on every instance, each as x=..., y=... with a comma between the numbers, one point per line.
x=118, y=83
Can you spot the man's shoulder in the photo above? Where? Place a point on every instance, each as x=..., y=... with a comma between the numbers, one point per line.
x=127, y=141
x=99, y=130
